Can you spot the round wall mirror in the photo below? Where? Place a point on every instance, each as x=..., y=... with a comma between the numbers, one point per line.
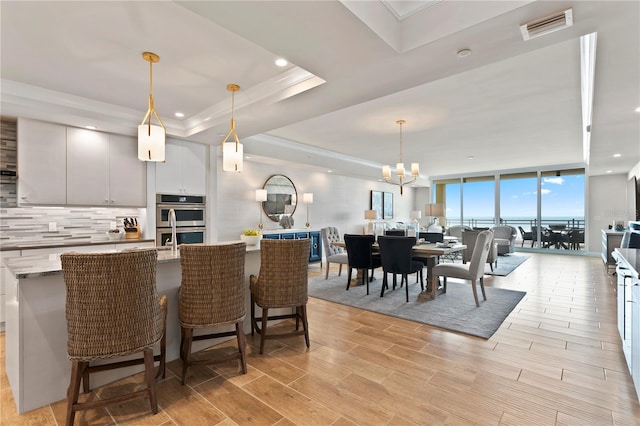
x=281, y=197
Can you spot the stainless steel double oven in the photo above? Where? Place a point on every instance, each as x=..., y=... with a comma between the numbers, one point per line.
x=190, y=212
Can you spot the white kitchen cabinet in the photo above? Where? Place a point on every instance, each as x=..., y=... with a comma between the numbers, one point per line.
x=4, y=255
x=104, y=170
x=184, y=170
x=127, y=174
x=87, y=167
x=635, y=337
x=42, y=162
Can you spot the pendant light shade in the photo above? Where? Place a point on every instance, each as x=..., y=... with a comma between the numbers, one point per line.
x=232, y=152
x=151, y=137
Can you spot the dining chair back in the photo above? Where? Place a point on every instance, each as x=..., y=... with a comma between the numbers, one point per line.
x=333, y=254
x=396, y=232
x=360, y=256
x=472, y=271
x=112, y=310
x=212, y=294
x=431, y=237
x=396, y=258
x=469, y=239
x=281, y=283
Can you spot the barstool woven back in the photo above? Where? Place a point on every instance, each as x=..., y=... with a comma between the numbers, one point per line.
x=282, y=283
x=212, y=290
x=112, y=304
x=112, y=310
x=212, y=294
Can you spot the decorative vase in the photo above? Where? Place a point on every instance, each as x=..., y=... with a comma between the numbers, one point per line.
x=251, y=240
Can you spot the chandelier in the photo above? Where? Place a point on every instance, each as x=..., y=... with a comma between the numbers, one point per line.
x=400, y=170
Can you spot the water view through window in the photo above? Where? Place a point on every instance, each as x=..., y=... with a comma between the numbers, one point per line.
x=534, y=202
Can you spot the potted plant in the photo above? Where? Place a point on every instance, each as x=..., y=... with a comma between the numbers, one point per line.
x=251, y=236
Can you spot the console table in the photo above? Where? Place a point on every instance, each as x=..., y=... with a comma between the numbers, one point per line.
x=315, y=254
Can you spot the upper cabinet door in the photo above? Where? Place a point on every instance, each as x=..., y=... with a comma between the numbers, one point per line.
x=87, y=167
x=194, y=168
x=169, y=173
x=42, y=162
x=127, y=174
x=184, y=170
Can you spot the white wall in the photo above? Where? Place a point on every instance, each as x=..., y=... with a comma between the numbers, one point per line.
x=337, y=200
x=607, y=201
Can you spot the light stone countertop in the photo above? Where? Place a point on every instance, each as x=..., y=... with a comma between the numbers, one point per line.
x=71, y=242
x=44, y=265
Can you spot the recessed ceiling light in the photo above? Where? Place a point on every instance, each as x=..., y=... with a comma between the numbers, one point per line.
x=329, y=171
x=247, y=156
x=179, y=114
x=281, y=62
x=471, y=157
x=638, y=109
x=617, y=155
x=609, y=171
x=463, y=53
x=90, y=127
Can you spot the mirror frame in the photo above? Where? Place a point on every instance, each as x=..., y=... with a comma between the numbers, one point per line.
x=275, y=216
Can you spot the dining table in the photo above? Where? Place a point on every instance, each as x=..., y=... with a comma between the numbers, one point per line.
x=427, y=251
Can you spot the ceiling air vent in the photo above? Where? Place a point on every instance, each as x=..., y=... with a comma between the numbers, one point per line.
x=547, y=24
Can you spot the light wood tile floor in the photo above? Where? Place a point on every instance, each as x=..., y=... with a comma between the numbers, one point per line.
x=556, y=360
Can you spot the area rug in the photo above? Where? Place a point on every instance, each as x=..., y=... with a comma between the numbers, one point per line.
x=455, y=310
x=506, y=264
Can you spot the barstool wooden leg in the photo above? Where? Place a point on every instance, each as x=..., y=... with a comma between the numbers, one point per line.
x=77, y=369
x=242, y=345
x=187, y=337
x=263, y=332
x=151, y=379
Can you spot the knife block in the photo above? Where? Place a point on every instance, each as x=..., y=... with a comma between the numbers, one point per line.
x=133, y=235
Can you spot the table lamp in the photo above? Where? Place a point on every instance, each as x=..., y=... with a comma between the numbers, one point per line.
x=261, y=197
x=307, y=198
x=433, y=210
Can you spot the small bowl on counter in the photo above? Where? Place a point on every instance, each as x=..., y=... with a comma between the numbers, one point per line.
x=114, y=236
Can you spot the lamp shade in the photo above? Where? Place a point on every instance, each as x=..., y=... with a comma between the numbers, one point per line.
x=261, y=195
x=415, y=214
x=436, y=209
x=371, y=214
x=151, y=142
x=307, y=198
x=232, y=157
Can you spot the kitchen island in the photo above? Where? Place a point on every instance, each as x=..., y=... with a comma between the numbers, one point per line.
x=36, y=330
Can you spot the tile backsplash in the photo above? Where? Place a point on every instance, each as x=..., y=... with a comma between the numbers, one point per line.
x=34, y=225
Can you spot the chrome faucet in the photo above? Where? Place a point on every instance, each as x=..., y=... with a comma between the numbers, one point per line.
x=172, y=223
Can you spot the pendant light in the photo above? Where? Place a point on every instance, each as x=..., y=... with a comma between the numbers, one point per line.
x=151, y=137
x=232, y=151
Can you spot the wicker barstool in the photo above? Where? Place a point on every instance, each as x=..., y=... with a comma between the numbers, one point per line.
x=282, y=283
x=113, y=310
x=212, y=294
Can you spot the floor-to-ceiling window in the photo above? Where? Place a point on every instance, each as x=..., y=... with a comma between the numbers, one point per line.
x=478, y=201
x=519, y=203
x=547, y=206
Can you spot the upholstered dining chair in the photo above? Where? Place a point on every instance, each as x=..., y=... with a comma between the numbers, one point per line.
x=469, y=238
x=360, y=255
x=396, y=232
x=212, y=294
x=333, y=254
x=472, y=271
x=113, y=310
x=396, y=258
x=281, y=283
